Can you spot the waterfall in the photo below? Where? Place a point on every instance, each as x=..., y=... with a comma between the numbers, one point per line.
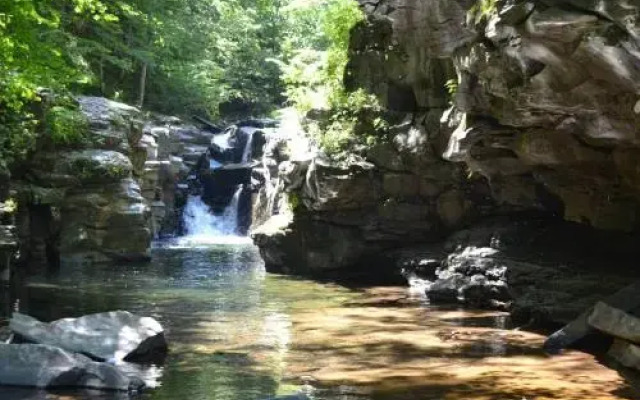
x=246, y=154
x=204, y=227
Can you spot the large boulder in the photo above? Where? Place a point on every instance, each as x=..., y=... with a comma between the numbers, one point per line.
x=106, y=222
x=48, y=367
x=114, y=336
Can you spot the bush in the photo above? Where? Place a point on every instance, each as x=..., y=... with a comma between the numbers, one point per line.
x=66, y=126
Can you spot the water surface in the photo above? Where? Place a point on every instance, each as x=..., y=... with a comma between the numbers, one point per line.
x=238, y=333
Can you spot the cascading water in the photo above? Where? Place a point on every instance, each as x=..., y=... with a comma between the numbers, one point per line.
x=204, y=227
x=246, y=154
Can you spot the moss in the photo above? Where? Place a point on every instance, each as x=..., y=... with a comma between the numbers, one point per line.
x=66, y=126
x=87, y=168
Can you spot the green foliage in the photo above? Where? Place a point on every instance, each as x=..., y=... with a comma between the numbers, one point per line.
x=66, y=126
x=313, y=72
x=482, y=10
x=452, y=86
x=293, y=199
x=355, y=120
x=216, y=58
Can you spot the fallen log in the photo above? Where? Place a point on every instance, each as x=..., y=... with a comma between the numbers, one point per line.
x=210, y=125
x=625, y=299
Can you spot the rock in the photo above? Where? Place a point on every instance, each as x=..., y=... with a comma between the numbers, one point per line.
x=627, y=354
x=107, y=222
x=116, y=335
x=48, y=367
x=615, y=322
x=474, y=276
x=299, y=396
x=625, y=299
x=113, y=126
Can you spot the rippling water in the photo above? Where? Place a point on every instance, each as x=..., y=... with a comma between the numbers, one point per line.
x=238, y=333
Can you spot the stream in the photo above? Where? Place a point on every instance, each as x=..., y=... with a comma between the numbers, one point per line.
x=238, y=333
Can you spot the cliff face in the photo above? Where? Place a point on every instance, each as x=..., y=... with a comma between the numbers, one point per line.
x=546, y=95
x=501, y=108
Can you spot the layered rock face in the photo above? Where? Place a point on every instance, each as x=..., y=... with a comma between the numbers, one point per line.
x=80, y=199
x=515, y=107
x=545, y=95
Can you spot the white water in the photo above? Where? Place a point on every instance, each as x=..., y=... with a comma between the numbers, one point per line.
x=204, y=228
x=247, y=152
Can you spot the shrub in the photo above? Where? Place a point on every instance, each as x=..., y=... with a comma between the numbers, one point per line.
x=66, y=126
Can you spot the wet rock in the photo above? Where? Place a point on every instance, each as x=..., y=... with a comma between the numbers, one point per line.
x=46, y=367
x=114, y=336
x=474, y=276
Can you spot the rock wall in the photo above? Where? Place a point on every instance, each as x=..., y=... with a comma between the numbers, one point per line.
x=546, y=101
x=523, y=109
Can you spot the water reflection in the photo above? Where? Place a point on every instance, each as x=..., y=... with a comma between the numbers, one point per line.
x=237, y=333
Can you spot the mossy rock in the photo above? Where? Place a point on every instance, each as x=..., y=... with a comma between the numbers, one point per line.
x=97, y=166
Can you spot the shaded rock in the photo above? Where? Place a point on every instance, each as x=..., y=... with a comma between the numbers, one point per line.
x=51, y=367
x=299, y=396
x=474, y=276
x=627, y=354
x=116, y=335
x=615, y=322
x=106, y=222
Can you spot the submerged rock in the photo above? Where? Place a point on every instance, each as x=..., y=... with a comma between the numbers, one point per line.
x=116, y=335
x=45, y=366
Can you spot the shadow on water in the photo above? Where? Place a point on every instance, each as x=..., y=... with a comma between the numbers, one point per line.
x=238, y=333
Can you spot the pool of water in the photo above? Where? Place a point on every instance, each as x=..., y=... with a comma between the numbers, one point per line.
x=238, y=333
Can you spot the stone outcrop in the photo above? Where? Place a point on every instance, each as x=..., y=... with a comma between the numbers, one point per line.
x=49, y=367
x=79, y=199
x=541, y=269
x=400, y=192
x=8, y=241
x=544, y=95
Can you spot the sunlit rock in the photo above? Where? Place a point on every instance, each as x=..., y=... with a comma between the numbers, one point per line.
x=45, y=366
x=117, y=335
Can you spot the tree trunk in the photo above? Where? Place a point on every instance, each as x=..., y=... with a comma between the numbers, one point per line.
x=143, y=84
x=103, y=85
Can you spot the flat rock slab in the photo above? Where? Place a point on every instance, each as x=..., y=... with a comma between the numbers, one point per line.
x=115, y=335
x=45, y=366
x=627, y=354
x=615, y=322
